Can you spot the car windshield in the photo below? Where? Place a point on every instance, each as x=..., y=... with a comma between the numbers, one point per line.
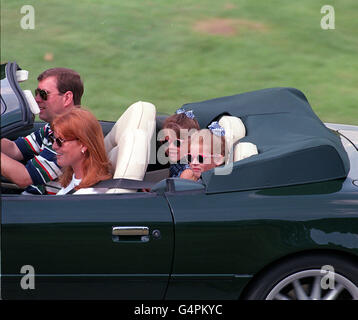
x=3, y=71
x=3, y=107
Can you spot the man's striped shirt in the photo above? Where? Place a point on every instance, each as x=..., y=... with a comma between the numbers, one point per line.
x=40, y=160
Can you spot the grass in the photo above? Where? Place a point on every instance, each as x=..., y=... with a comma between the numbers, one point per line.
x=150, y=50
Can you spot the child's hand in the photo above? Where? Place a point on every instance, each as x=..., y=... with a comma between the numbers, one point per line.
x=188, y=174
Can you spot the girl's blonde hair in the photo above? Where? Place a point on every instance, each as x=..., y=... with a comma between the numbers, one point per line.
x=217, y=143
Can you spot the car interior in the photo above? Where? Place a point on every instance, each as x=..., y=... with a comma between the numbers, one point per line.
x=130, y=143
x=271, y=135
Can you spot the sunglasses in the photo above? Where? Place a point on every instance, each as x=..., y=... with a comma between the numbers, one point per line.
x=176, y=143
x=200, y=158
x=43, y=93
x=60, y=141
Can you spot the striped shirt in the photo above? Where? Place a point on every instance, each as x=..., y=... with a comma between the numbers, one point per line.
x=40, y=160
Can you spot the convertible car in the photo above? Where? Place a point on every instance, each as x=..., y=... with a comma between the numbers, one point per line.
x=278, y=221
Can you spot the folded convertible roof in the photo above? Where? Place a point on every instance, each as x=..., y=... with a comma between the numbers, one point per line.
x=294, y=146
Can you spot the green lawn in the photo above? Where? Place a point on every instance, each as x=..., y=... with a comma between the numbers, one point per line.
x=173, y=52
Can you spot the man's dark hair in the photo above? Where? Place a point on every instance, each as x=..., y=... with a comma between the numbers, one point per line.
x=67, y=80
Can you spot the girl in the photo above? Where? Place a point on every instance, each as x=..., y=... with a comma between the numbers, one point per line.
x=176, y=129
x=207, y=151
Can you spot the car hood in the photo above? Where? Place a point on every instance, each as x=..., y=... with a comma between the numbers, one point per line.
x=349, y=138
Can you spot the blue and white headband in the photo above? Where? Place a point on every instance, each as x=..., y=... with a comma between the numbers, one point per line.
x=216, y=129
x=189, y=114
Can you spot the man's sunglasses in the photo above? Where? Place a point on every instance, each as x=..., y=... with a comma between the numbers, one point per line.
x=43, y=93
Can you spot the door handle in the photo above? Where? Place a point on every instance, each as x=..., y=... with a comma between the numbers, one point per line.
x=130, y=231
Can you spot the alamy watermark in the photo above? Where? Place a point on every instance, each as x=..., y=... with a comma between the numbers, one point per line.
x=328, y=279
x=328, y=20
x=27, y=282
x=27, y=22
x=168, y=137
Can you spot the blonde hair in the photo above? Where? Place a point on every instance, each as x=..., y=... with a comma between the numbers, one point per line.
x=205, y=136
x=81, y=124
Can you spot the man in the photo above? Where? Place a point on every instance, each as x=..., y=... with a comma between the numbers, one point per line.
x=59, y=90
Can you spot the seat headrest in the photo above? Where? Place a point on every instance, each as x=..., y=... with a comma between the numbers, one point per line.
x=234, y=131
x=244, y=150
x=128, y=143
x=139, y=115
x=234, y=128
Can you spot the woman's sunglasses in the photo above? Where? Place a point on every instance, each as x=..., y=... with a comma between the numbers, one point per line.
x=60, y=141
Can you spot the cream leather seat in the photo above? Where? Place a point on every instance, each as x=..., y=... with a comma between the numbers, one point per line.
x=244, y=150
x=234, y=131
x=128, y=143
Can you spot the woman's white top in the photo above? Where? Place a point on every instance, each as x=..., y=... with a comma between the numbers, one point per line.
x=75, y=182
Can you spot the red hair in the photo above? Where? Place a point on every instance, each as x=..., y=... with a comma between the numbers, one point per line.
x=180, y=121
x=81, y=124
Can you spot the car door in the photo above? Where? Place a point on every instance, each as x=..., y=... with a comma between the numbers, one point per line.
x=86, y=246
x=207, y=247
x=205, y=266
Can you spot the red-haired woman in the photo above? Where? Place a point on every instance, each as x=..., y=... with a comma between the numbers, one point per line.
x=79, y=144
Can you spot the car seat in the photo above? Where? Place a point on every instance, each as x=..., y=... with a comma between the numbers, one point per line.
x=128, y=143
x=234, y=131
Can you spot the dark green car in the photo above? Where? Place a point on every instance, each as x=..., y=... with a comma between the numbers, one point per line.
x=283, y=224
